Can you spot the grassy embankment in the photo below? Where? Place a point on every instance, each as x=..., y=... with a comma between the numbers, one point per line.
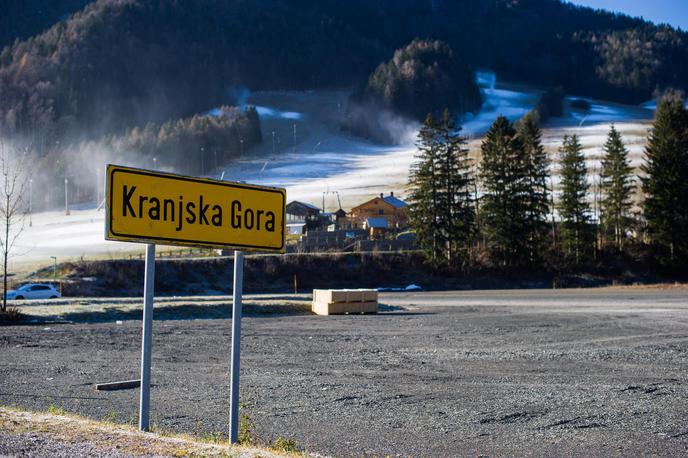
x=59, y=427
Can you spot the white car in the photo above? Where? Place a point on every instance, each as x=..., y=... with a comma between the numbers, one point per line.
x=34, y=291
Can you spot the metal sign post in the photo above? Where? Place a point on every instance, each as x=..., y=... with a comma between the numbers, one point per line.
x=236, y=346
x=148, y=282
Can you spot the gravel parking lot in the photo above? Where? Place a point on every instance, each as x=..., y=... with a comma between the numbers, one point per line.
x=566, y=372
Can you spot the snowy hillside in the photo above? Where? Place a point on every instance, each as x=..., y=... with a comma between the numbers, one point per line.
x=309, y=155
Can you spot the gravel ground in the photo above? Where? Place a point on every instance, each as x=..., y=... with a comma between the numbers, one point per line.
x=567, y=372
x=37, y=445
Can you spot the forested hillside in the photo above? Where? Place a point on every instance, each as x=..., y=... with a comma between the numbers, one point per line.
x=213, y=139
x=125, y=62
x=20, y=19
x=120, y=64
x=424, y=77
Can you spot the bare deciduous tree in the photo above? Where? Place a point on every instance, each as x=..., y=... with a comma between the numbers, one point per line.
x=13, y=180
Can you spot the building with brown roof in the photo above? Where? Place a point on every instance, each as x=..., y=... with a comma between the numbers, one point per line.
x=391, y=208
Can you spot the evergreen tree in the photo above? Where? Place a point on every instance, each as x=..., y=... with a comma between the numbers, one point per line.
x=574, y=210
x=441, y=209
x=457, y=214
x=503, y=172
x=424, y=196
x=536, y=173
x=617, y=188
x=666, y=181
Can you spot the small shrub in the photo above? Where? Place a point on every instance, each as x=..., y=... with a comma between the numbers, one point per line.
x=55, y=410
x=580, y=104
x=247, y=429
x=110, y=417
x=214, y=437
x=282, y=444
x=551, y=104
x=11, y=315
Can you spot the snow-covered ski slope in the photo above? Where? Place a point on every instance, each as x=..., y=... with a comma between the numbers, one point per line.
x=310, y=156
x=325, y=159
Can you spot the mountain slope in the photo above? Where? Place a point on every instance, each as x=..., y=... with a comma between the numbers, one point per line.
x=122, y=63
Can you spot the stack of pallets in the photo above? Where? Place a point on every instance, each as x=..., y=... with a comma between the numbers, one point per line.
x=338, y=301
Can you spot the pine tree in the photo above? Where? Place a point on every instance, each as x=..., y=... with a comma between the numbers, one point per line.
x=423, y=197
x=574, y=210
x=666, y=182
x=457, y=213
x=537, y=199
x=617, y=189
x=441, y=208
x=503, y=172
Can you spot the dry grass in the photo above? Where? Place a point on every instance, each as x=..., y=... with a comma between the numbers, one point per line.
x=11, y=315
x=106, y=436
x=674, y=285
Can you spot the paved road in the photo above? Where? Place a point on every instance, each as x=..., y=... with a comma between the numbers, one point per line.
x=589, y=300
x=567, y=372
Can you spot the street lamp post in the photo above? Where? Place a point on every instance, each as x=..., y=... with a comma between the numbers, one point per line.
x=66, y=196
x=30, y=200
x=54, y=258
x=155, y=163
x=273, y=142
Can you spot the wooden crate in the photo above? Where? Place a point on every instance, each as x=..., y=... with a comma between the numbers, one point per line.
x=332, y=296
x=331, y=302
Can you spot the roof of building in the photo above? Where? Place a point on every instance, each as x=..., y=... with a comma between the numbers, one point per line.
x=304, y=204
x=395, y=201
x=376, y=223
x=390, y=200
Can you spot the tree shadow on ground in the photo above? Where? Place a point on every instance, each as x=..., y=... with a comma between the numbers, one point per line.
x=199, y=311
x=164, y=312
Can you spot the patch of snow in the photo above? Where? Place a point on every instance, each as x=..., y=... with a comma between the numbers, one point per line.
x=267, y=112
x=513, y=104
x=214, y=112
x=652, y=104
x=486, y=79
x=605, y=112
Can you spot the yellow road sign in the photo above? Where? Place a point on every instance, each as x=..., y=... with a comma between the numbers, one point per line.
x=155, y=207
